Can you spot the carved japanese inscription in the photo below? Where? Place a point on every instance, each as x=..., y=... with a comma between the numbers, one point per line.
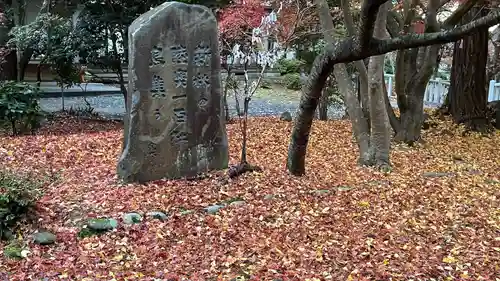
x=180, y=78
x=176, y=127
x=202, y=55
x=179, y=54
x=158, y=87
x=201, y=81
x=157, y=56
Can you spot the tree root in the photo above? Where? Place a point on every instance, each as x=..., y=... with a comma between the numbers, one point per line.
x=383, y=167
x=242, y=168
x=480, y=125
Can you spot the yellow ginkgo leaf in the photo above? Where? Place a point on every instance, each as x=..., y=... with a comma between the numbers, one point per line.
x=449, y=259
x=364, y=204
x=319, y=253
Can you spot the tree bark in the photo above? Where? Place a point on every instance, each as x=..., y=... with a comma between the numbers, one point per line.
x=347, y=51
x=411, y=117
x=379, y=120
x=8, y=68
x=323, y=103
x=118, y=67
x=393, y=119
x=468, y=95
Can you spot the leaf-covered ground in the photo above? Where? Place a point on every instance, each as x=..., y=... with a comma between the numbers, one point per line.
x=339, y=222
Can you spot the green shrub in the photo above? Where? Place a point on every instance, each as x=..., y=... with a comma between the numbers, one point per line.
x=334, y=96
x=292, y=81
x=18, y=194
x=19, y=106
x=286, y=66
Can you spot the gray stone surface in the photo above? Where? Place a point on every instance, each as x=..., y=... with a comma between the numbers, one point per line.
x=132, y=218
x=102, y=224
x=44, y=238
x=286, y=116
x=174, y=126
x=238, y=203
x=157, y=215
x=213, y=209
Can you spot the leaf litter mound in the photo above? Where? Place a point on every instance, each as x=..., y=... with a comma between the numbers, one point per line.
x=435, y=216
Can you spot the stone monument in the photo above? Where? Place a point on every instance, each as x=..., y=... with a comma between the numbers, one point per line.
x=174, y=125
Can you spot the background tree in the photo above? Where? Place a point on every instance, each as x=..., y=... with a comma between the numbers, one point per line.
x=415, y=66
x=236, y=23
x=51, y=38
x=103, y=29
x=467, y=94
x=240, y=29
x=361, y=45
x=8, y=57
x=493, y=67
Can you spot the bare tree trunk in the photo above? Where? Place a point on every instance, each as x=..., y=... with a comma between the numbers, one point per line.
x=380, y=136
x=493, y=71
x=226, y=91
x=411, y=116
x=8, y=69
x=323, y=105
x=243, y=159
x=23, y=62
x=393, y=119
x=468, y=95
x=359, y=115
x=414, y=68
x=118, y=67
x=360, y=65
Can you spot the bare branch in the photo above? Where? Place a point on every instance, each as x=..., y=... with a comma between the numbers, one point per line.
x=422, y=6
x=368, y=15
x=394, y=23
x=259, y=80
x=454, y=18
x=431, y=18
x=409, y=11
x=442, y=3
x=342, y=52
x=431, y=53
x=349, y=23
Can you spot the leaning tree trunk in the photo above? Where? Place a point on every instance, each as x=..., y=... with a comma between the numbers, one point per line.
x=468, y=95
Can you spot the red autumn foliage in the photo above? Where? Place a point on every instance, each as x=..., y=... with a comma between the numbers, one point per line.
x=339, y=222
x=237, y=20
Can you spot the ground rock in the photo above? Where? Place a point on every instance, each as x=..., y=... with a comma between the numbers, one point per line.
x=157, y=215
x=44, y=238
x=132, y=218
x=102, y=224
x=286, y=116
